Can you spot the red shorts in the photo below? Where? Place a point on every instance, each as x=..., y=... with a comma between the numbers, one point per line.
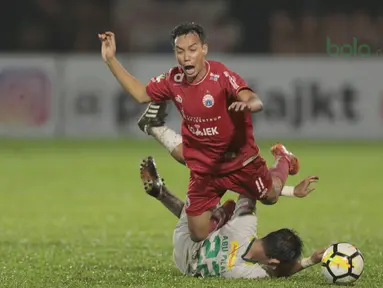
x=205, y=191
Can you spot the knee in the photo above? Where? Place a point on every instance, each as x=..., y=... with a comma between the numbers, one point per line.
x=273, y=196
x=200, y=226
x=198, y=232
x=198, y=235
x=269, y=200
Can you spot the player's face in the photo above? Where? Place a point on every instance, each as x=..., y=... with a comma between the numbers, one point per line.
x=190, y=54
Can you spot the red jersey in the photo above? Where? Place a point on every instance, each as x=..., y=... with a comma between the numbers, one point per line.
x=215, y=140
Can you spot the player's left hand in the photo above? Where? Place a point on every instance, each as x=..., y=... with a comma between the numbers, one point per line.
x=317, y=255
x=304, y=188
x=239, y=107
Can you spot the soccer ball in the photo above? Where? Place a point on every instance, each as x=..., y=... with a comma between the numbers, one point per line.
x=342, y=263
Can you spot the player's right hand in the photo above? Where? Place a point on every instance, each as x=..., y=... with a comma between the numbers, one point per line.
x=304, y=188
x=239, y=107
x=108, y=46
x=317, y=255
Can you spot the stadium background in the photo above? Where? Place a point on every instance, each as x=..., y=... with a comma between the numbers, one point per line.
x=72, y=209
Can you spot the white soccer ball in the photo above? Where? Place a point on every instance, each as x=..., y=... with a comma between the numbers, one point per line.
x=342, y=263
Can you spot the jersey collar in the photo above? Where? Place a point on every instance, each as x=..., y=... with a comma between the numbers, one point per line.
x=247, y=250
x=202, y=79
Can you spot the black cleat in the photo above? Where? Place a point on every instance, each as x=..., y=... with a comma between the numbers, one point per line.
x=154, y=116
x=150, y=177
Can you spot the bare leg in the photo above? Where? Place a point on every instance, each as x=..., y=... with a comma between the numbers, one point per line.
x=170, y=140
x=275, y=191
x=279, y=174
x=170, y=201
x=285, y=163
x=200, y=226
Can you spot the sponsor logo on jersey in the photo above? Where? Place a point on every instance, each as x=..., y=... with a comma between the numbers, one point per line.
x=198, y=131
x=179, y=77
x=225, y=250
x=214, y=77
x=233, y=254
x=198, y=119
x=208, y=100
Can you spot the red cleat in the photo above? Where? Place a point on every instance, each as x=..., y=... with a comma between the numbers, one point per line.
x=278, y=150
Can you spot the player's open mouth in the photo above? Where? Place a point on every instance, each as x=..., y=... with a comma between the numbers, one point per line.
x=189, y=69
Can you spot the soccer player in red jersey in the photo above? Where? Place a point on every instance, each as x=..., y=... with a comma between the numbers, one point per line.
x=217, y=130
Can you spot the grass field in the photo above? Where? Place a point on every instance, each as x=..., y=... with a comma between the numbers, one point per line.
x=74, y=214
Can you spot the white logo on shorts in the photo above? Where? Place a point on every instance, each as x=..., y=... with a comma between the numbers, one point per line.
x=261, y=188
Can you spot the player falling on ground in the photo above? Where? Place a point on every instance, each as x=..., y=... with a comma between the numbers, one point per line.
x=232, y=251
x=217, y=130
x=152, y=122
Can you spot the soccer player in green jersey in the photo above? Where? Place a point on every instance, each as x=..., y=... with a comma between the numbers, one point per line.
x=232, y=251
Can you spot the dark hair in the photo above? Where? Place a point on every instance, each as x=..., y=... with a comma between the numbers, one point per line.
x=284, y=245
x=187, y=28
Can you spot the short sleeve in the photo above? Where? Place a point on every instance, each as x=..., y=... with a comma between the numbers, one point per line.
x=244, y=226
x=158, y=88
x=234, y=83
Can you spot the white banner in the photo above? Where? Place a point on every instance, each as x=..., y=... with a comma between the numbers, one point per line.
x=96, y=105
x=28, y=106
x=316, y=98
x=304, y=97
x=89, y=98
x=77, y=96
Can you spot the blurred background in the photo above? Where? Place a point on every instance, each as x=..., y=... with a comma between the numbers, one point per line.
x=269, y=27
x=72, y=208
x=312, y=61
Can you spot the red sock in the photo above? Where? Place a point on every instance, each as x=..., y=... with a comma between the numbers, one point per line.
x=280, y=169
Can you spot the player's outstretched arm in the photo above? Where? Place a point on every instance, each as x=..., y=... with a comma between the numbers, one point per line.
x=248, y=101
x=286, y=270
x=130, y=84
x=303, y=189
x=252, y=100
x=245, y=99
